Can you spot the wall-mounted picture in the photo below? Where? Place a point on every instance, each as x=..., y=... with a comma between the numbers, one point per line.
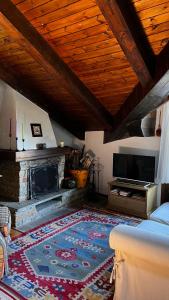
x=36, y=130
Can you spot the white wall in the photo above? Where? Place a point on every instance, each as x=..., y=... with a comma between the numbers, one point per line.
x=27, y=113
x=20, y=110
x=138, y=145
x=7, y=112
x=78, y=143
x=64, y=135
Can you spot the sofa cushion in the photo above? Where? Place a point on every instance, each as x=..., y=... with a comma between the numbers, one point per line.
x=153, y=226
x=161, y=214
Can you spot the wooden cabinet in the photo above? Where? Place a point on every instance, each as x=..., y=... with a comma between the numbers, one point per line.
x=140, y=201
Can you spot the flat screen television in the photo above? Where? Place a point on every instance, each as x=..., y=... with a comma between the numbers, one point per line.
x=134, y=167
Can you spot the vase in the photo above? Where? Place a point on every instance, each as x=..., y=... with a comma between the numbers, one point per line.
x=80, y=176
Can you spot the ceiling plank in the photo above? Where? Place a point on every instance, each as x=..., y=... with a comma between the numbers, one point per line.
x=27, y=36
x=143, y=100
x=126, y=27
x=30, y=92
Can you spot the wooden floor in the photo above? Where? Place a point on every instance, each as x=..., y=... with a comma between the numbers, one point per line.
x=14, y=233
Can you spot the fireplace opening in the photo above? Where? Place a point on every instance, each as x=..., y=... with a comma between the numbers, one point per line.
x=43, y=180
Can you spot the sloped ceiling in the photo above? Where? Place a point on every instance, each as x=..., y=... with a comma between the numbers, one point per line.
x=92, y=64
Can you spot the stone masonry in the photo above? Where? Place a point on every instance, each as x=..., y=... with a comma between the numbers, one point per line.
x=14, y=184
x=29, y=211
x=14, y=191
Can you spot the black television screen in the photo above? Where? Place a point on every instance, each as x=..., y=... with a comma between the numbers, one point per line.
x=135, y=167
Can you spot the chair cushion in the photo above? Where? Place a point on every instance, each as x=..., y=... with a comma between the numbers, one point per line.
x=4, y=215
x=161, y=214
x=153, y=226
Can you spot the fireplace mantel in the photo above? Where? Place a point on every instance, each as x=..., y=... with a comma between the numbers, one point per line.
x=18, y=156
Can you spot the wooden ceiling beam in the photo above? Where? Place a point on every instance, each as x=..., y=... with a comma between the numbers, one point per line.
x=28, y=90
x=143, y=100
x=127, y=29
x=27, y=36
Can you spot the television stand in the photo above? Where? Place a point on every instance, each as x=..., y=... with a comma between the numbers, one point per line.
x=131, y=198
x=130, y=181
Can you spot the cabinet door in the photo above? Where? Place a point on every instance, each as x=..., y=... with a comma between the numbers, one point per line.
x=127, y=204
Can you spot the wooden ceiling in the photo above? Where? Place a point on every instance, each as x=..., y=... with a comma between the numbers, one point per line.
x=92, y=64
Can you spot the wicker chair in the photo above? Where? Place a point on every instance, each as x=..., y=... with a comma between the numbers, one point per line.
x=5, y=227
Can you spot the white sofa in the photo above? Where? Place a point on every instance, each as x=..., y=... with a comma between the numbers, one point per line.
x=141, y=263
x=161, y=214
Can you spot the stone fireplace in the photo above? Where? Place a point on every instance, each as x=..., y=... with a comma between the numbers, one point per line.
x=15, y=183
x=16, y=165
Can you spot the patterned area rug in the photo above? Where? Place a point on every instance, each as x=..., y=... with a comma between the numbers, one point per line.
x=67, y=258
x=7, y=294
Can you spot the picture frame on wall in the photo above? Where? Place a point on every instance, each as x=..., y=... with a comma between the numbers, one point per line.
x=36, y=129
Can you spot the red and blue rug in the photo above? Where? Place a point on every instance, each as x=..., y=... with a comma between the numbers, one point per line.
x=67, y=258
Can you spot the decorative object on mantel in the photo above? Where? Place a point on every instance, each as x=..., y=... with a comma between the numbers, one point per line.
x=10, y=133
x=158, y=130
x=16, y=143
x=61, y=144
x=23, y=140
x=41, y=146
x=36, y=130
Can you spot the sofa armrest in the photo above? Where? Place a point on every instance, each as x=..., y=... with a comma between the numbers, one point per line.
x=153, y=247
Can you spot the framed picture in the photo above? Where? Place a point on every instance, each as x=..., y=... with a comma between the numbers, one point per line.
x=36, y=130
